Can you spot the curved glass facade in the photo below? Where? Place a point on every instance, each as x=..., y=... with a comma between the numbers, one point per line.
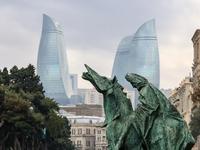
x=52, y=65
x=121, y=60
x=138, y=54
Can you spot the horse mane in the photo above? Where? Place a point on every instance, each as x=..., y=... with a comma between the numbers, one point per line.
x=118, y=90
x=121, y=98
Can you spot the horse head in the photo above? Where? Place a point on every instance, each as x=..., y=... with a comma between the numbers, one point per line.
x=101, y=83
x=115, y=101
x=136, y=80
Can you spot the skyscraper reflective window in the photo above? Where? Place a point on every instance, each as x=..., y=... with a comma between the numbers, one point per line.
x=138, y=54
x=52, y=65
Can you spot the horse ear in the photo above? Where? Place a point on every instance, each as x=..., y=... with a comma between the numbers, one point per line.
x=114, y=80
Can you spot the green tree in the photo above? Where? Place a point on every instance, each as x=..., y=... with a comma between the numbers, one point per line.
x=5, y=76
x=60, y=137
x=195, y=123
x=195, y=117
x=2, y=81
x=25, y=79
x=26, y=111
x=19, y=119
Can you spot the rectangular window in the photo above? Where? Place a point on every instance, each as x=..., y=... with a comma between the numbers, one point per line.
x=99, y=132
x=99, y=139
x=80, y=131
x=87, y=131
x=73, y=131
x=78, y=142
x=87, y=143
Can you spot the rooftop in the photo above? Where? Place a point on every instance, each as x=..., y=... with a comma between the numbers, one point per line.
x=86, y=119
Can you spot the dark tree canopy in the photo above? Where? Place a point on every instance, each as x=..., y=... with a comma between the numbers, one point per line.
x=5, y=76
x=195, y=117
x=25, y=79
x=26, y=112
x=195, y=123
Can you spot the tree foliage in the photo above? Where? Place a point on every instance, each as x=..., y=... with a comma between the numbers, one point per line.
x=26, y=111
x=195, y=123
x=195, y=117
x=196, y=94
x=25, y=79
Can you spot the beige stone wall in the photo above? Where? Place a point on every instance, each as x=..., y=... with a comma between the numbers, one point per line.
x=85, y=110
x=180, y=97
x=88, y=136
x=101, y=140
x=83, y=135
x=196, y=60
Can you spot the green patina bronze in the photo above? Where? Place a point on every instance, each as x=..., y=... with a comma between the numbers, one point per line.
x=154, y=125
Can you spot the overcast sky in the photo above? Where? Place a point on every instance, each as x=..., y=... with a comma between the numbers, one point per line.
x=93, y=29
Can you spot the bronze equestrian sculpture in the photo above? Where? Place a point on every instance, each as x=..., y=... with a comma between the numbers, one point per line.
x=154, y=125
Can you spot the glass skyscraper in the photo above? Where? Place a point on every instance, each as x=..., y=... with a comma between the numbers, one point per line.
x=52, y=65
x=138, y=54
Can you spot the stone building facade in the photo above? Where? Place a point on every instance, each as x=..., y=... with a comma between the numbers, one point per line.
x=196, y=73
x=196, y=59
x=86, y=133
x=196, y=62
x=84, y=109
x=181, y=98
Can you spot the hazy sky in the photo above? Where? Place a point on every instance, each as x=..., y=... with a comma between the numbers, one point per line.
x=93, y=30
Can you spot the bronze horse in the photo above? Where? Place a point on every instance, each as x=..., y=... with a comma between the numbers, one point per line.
x=154, y=125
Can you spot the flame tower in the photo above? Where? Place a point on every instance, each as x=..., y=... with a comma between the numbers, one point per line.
x=52, y=65
x=138, y=54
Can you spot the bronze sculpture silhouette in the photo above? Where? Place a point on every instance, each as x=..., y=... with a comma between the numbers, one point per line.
x=154, y=125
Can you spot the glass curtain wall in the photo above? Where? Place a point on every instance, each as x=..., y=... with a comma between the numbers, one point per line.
x=138, y=54
x=52, y=65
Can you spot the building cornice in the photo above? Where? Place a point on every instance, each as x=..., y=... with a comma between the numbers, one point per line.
x=195, y=36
